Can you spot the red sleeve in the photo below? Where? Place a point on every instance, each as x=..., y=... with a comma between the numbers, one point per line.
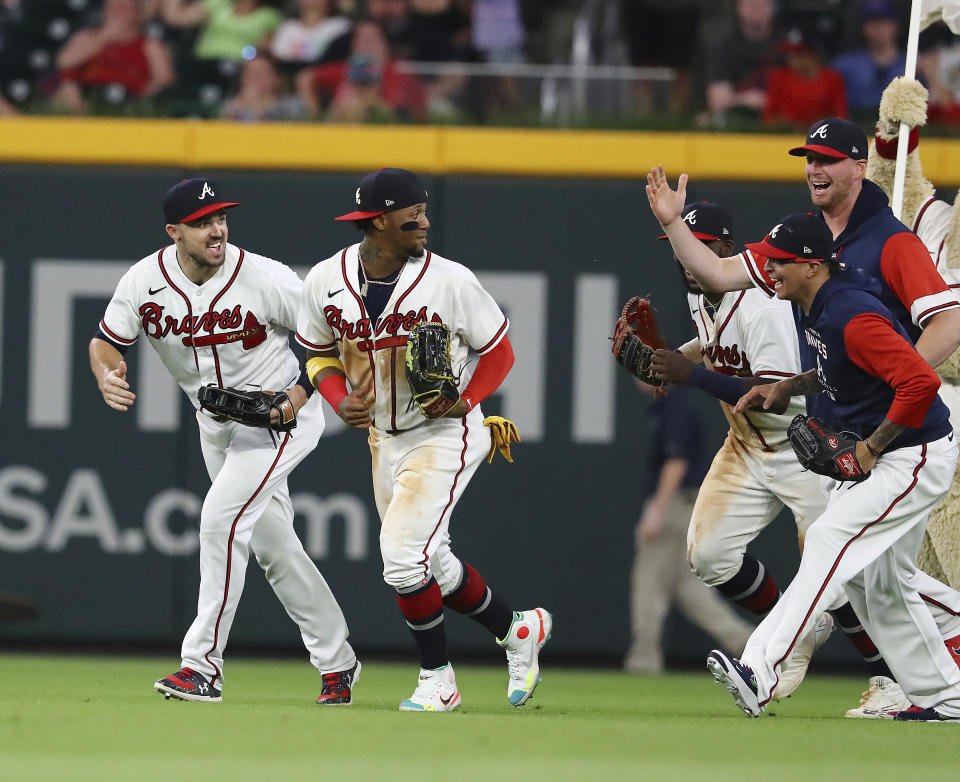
x=754, y=265
x=875, y=347
x=771, y=103
x=333, y=388
x=907, y=268
x=838, y=95
x=491, y=369
x=327, y=78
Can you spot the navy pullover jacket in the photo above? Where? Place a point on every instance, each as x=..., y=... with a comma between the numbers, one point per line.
x=867, y=365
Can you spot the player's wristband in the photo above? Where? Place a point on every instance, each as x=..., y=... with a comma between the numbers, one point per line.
x=876, y=454
x=726, y=387
x=333, y=388
x=304, y=382
x=315, y=364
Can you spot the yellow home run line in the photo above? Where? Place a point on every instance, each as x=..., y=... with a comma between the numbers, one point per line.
x=432, y=149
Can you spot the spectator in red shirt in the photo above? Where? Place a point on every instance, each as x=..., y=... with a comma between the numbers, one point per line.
x=802, y=90
x=116, y=57
x=366, y=87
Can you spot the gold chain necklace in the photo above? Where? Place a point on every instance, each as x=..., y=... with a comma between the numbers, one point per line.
x=368, y=282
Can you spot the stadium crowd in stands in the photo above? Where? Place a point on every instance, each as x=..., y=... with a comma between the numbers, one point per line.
x=735, y=63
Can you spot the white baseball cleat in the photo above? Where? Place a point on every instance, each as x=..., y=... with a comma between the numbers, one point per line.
x=883, y=700
x=794, y=668
x=528, y=633
x=436, y=691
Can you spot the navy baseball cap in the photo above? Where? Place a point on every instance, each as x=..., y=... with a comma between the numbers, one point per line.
x=385, y=191
x=708, y=221
x=191, y=199
x=798, y=238
x=834, y=137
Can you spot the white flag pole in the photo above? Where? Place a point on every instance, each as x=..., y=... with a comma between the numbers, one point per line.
x=913, y=36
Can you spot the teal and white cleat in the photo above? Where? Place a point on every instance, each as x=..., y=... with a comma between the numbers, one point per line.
x=528, y=633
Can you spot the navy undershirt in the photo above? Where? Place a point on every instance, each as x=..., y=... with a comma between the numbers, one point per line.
x=377, y=295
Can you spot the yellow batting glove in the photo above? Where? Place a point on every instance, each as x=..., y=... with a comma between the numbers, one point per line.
x=502, y=433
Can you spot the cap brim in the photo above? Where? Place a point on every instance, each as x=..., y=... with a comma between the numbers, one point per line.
x=828, y=151
x=205, y=210
x=700, y=236
x=359, y=215
x=767, y=250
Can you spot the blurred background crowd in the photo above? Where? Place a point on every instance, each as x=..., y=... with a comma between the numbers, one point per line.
x=733, y=64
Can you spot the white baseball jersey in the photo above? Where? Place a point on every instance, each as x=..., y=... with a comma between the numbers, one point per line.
x=429, y=288
x=750, y=334
x=235, y=326
x=755, y=473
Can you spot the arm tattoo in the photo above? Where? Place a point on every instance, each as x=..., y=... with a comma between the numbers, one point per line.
x=806, y=383
x=883, y=435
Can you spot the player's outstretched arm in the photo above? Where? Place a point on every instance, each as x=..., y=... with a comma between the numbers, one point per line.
x=110, y=371
x=775, y=397
x=673, y=368
x=725, y=274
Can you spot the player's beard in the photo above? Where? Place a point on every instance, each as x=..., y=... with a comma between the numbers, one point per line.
x=204, y=260
x=837, y=194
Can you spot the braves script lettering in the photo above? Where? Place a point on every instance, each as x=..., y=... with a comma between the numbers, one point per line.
x=728, y=360
x=389, y=325
x=158, y=325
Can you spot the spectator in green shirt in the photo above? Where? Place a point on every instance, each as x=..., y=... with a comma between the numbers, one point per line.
x=228, y=26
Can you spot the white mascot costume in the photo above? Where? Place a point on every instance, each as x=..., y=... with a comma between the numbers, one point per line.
x=937, y=223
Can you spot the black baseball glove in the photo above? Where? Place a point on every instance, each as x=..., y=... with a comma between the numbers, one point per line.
x=251, y=408
x=822, y=451
x=429, y=372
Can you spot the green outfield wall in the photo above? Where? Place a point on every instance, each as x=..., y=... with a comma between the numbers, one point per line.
x=99, y=510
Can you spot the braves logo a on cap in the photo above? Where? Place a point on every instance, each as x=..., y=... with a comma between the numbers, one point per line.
x=834, y=137
x=708, y=221
x=180, y=201
x=799, y=237
x=386, y=190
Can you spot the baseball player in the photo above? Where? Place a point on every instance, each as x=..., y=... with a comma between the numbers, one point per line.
x=743, y=338
x=861, y=374
x=216, y=313
x=866, y=236
x=358, y=307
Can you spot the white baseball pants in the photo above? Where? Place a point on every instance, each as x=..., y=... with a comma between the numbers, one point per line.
x=866, y=543
x=741, y=494
x=248, y=508
x=418, y=478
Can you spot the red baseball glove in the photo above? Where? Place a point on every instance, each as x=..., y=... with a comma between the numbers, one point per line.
x=635, y=337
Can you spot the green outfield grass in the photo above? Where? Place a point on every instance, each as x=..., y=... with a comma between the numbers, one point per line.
x=77, y=719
